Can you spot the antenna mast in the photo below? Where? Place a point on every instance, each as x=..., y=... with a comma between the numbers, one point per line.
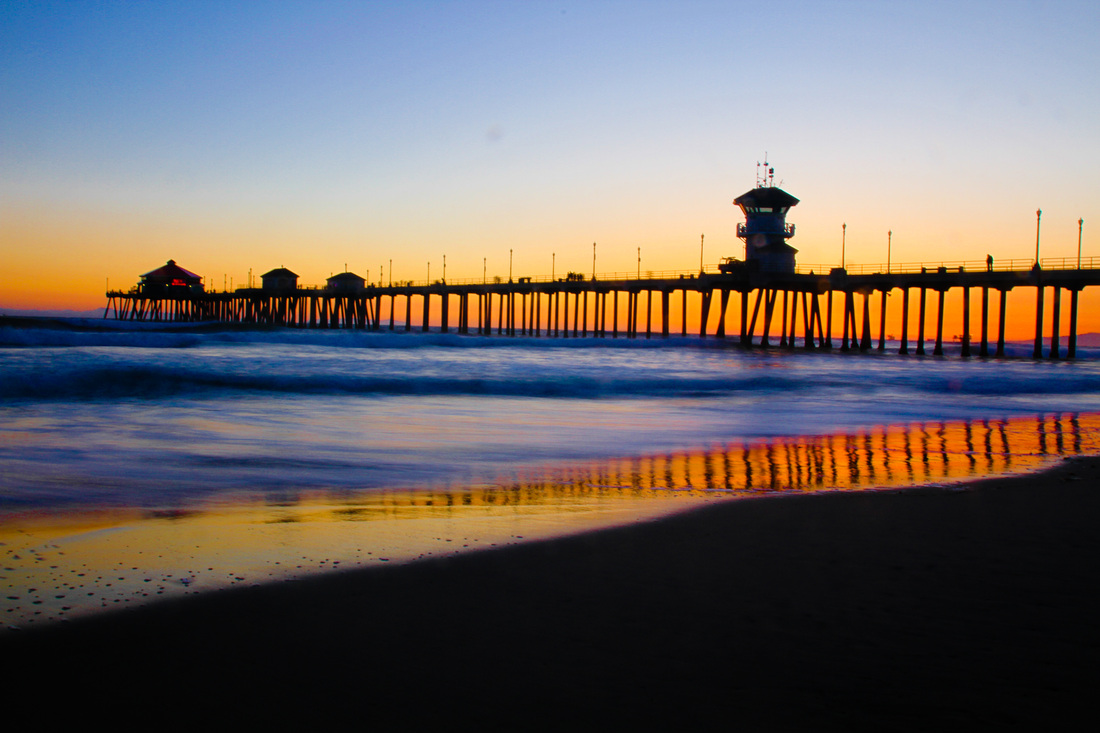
x=768, y=176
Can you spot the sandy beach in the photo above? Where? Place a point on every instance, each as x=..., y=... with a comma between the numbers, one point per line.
x=893, y=610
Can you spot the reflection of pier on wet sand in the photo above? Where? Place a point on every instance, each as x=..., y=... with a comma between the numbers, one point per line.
x=888, y=456
x=79, y=562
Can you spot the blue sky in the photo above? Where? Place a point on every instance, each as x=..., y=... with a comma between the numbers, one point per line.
x=252, y=135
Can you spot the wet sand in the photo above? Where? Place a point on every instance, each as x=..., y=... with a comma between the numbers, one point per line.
x=893, y=610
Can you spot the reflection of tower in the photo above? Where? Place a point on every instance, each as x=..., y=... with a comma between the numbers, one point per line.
x=766, y=230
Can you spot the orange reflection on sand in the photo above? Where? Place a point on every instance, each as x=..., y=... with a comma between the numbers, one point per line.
x=57, y=565
x=879, y=457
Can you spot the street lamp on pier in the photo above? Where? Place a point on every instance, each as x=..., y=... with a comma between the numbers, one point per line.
x=1038, y=217
x=1080, y=226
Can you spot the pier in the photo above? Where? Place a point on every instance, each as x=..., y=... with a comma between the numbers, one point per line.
x=770, y=292
x=781, y=309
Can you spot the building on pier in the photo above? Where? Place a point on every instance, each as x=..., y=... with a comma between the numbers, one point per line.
x=346, y=282
x=280, y=279
x=766, y=231
x=171, y=279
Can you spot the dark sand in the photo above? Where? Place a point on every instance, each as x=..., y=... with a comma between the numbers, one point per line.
x=902, y=610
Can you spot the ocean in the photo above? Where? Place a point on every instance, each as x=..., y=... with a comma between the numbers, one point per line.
x=142, y=463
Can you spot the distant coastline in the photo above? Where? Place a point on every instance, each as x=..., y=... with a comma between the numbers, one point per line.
x=98, y=323
x=50, y=313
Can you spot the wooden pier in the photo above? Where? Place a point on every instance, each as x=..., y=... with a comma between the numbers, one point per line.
x=798, y=304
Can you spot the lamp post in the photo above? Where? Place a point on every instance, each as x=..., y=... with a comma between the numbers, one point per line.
x=639, y=263
x=484, y=269
x=700, y=254
x=1080, y=226
x=429, y=272
x=391, y=272
x=843, y=240
x=1038, y=217
x=509, y=264
x=553, y=262
x=889, y=236
x=444, y=268
x=593, y=260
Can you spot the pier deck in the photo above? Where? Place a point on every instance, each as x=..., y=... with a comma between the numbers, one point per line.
x=560, y=307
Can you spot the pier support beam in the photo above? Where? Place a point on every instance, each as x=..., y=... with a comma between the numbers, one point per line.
x=664, y=313
x=1001, y=325
x=584, y=314
x=966, y=322
x=648, y=313
x=770, y=296
x=807, y=321
x=865, y=340
x=783, y=323
x=1071, y=351
x=904, y=347
x=1056, y=317
x=725, y=299
x=684, y=312
x=938, y=351
x=983, y=347
x=847, y=319
x=746, y=338
x=817, y=319
x=704, y=311
x=615, y=315
x=920, y=322
x=636, y=295
x=749, y=334
x=794, y=316
x=882, y=323
x=1037, y=353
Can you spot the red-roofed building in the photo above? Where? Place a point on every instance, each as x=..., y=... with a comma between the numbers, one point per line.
x=170, y=278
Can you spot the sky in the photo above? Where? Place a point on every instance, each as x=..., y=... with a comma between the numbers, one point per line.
x=319, y=136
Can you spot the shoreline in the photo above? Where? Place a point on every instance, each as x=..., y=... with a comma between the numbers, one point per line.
x=64, y=564
x=892, y=609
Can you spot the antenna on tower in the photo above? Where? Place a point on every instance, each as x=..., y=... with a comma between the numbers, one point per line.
x=767, y=177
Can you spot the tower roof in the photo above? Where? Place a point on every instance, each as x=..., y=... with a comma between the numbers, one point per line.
x=766, y=196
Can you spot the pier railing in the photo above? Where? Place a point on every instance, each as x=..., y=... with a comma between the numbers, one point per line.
x=1014, y=265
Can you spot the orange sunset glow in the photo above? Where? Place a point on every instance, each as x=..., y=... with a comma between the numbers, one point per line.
x=492, y=148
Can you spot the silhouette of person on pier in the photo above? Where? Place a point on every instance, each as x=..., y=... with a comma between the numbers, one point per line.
x=989, y=263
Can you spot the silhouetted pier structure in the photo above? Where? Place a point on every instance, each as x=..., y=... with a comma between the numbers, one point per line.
x=799, y=305
x=769, y=284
